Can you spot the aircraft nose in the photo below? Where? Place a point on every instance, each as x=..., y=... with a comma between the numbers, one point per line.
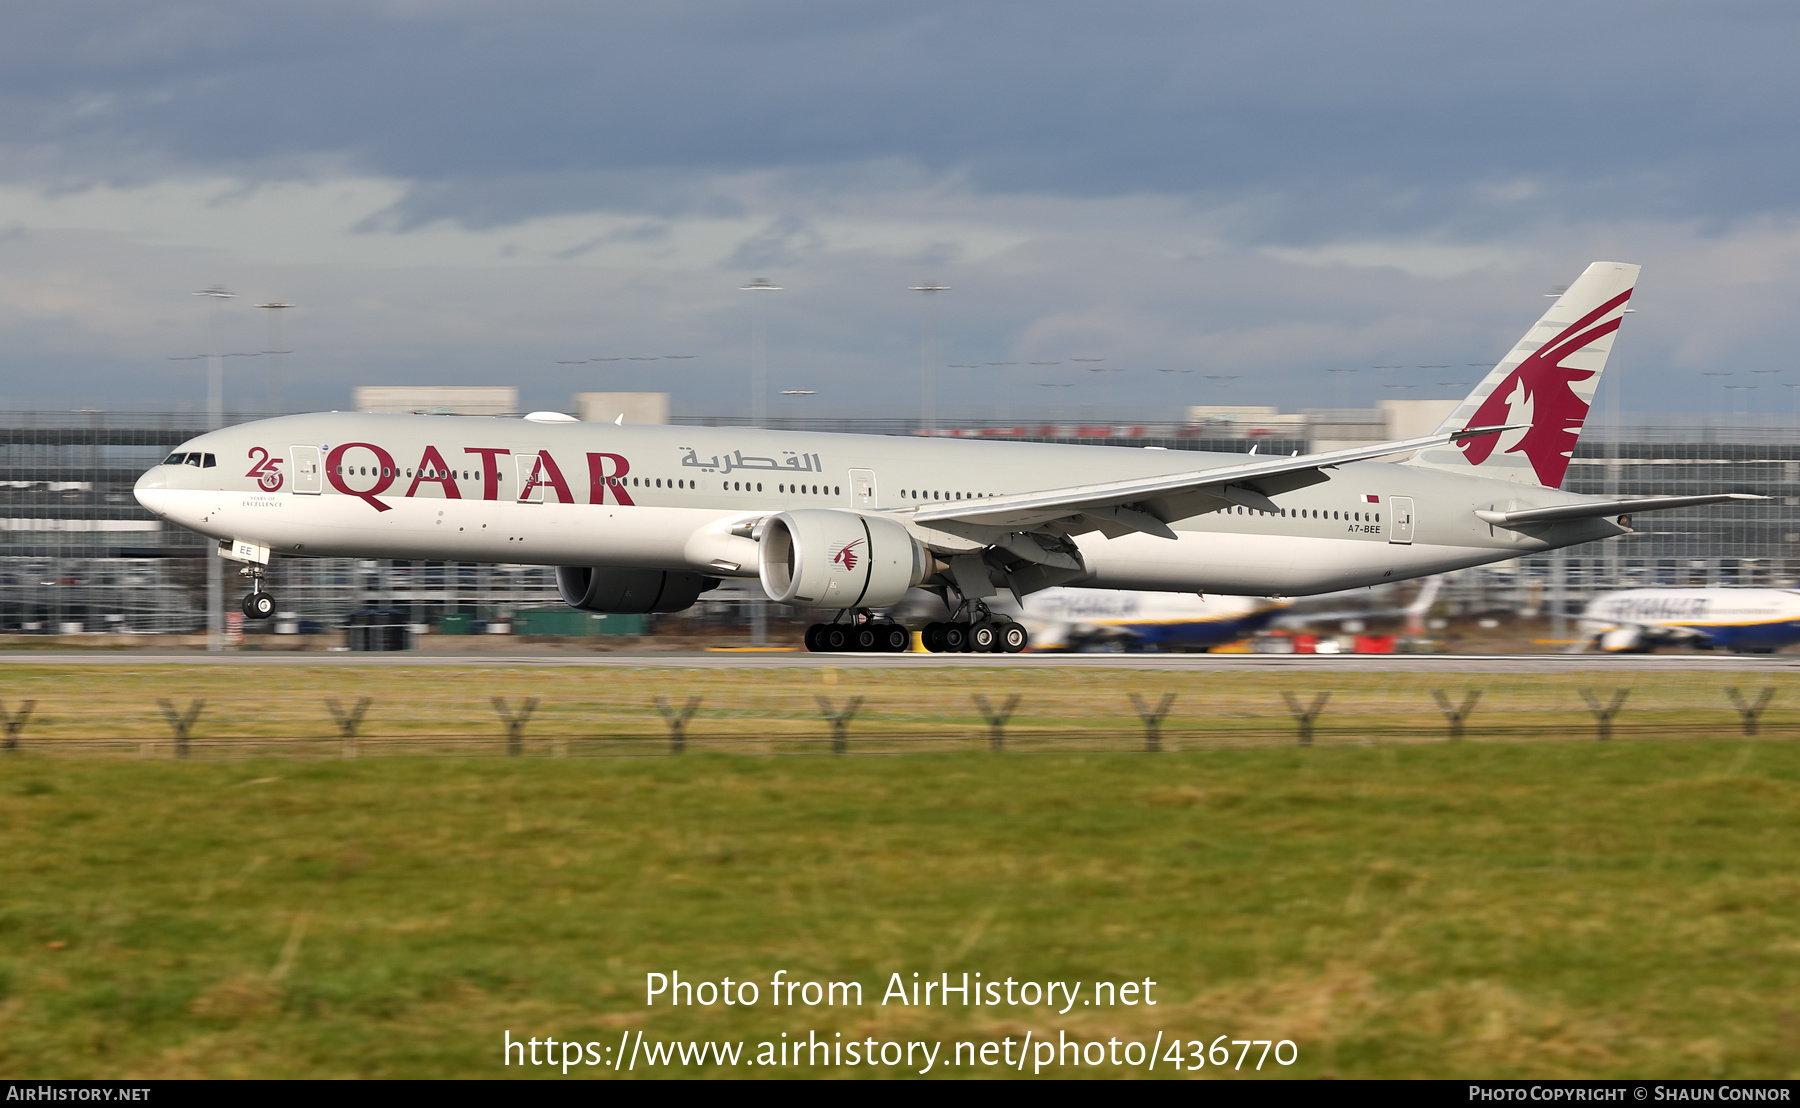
x=151, y=492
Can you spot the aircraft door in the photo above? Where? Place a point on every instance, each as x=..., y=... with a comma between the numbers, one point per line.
x=862, y=488
x=306, y=469
x=1400, y=522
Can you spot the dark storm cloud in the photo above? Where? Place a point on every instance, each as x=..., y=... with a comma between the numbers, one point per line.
x=1318, y=115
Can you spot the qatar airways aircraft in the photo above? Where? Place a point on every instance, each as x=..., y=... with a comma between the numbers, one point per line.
x=646, y=518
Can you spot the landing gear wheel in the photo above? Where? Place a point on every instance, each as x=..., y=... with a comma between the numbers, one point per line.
x=954, y=636
x=867, y=638
x=259, y=605
x=1013, y=638
x=835, y=638
x=894, y=638
x=933, y=637
x=984, y=637
x=811, y=638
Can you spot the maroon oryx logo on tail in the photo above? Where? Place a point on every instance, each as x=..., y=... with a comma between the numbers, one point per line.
x=1557, y=413
x=847, y=556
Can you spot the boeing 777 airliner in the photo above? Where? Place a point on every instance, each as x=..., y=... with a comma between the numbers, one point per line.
x=647, y=518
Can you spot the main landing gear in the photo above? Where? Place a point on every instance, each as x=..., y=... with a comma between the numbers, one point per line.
x=978, y=632
x=259, y=604
x=865, y=634
x=981, y=634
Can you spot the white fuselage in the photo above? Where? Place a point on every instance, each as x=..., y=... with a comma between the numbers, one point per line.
x=1061, y=617
x=681, y=498
x=1744, y=619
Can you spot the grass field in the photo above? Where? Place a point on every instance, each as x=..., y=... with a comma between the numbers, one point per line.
x=1494, y=909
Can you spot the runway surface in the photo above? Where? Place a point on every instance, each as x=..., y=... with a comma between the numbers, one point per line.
x=1223, y=663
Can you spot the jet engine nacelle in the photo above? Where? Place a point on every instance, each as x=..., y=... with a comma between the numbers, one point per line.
x=629, y=591
x=825, y=558
x=1622, y=640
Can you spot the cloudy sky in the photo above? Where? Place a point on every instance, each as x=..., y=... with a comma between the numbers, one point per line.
x=1222, y=201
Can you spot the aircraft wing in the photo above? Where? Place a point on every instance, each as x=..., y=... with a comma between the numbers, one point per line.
x=1597, y=508
x=1147, y=504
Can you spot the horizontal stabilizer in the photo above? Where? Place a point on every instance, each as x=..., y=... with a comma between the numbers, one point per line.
x=1595, y=509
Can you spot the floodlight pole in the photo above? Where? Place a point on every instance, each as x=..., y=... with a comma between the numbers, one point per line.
x=215, y=419
x=275, y=349
x=759, y=415
x=928, y=357
x=759, y=352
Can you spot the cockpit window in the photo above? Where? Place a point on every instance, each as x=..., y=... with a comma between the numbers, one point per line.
x=211, y=461
x=174, y=459
x=193, y=459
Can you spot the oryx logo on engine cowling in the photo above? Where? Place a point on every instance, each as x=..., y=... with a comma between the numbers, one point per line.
x=847, y=557
x=266, y=470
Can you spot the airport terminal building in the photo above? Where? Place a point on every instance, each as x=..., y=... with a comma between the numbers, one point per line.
x=79, y=555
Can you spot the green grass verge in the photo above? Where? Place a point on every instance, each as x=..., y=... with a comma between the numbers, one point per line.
x=1575, y=909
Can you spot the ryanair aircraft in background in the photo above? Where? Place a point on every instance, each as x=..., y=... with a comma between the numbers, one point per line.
x=646, y=519
x=1077, y=619
x=1748, y=621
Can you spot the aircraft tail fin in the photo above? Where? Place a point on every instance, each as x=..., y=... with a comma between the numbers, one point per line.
x=1545, y=385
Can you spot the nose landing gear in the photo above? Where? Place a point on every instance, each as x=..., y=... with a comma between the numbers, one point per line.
x=259, y=604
